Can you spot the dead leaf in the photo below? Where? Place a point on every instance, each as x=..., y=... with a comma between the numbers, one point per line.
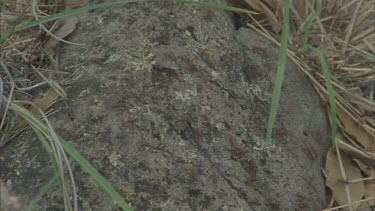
x=43, y=104
x=334, y=179
x=68, y=24
x=370, y=192
x=354, y=152
x=357, y=132
x=367, y=170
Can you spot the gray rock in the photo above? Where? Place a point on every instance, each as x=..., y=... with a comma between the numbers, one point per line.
x=171, y=104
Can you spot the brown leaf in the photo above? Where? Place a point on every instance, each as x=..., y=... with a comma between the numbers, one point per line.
x=335, y=181
x=368, y=171
x=370, y=191
x=43, y=104
x=354, y=152
x=68, y=24
x=357, y=132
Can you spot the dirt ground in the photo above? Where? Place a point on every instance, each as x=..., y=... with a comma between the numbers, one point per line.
x=170, y=104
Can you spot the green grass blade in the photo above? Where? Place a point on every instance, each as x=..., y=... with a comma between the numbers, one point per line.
x=55, y=167
x=114, y=3
x=75, y=11
x=279, y=74
x=331, y=95
x=41, y=193
x=366, y=55
x=217, y=6
x=306, y=28
x=47, y=147
x=85, y=165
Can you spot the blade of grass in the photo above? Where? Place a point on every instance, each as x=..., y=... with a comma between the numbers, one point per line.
x=114, y=3
x=68, y=13
x=331, y=95
x=62, y=158
x=53, y=159
x=85, y=165
x=279, y=74
x=366, y=55
x=306, y=28
x=217, y=6
x=50, y=150
x=75, y=11
x=41, y=193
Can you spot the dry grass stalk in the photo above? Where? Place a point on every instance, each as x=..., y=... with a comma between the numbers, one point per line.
x=29, y=75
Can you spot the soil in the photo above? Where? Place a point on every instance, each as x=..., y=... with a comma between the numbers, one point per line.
x=170, y=103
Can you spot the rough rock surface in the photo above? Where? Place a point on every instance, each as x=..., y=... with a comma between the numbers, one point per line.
x=171, y=104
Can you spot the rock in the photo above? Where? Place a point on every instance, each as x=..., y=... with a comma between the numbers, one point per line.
x=171, y=104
